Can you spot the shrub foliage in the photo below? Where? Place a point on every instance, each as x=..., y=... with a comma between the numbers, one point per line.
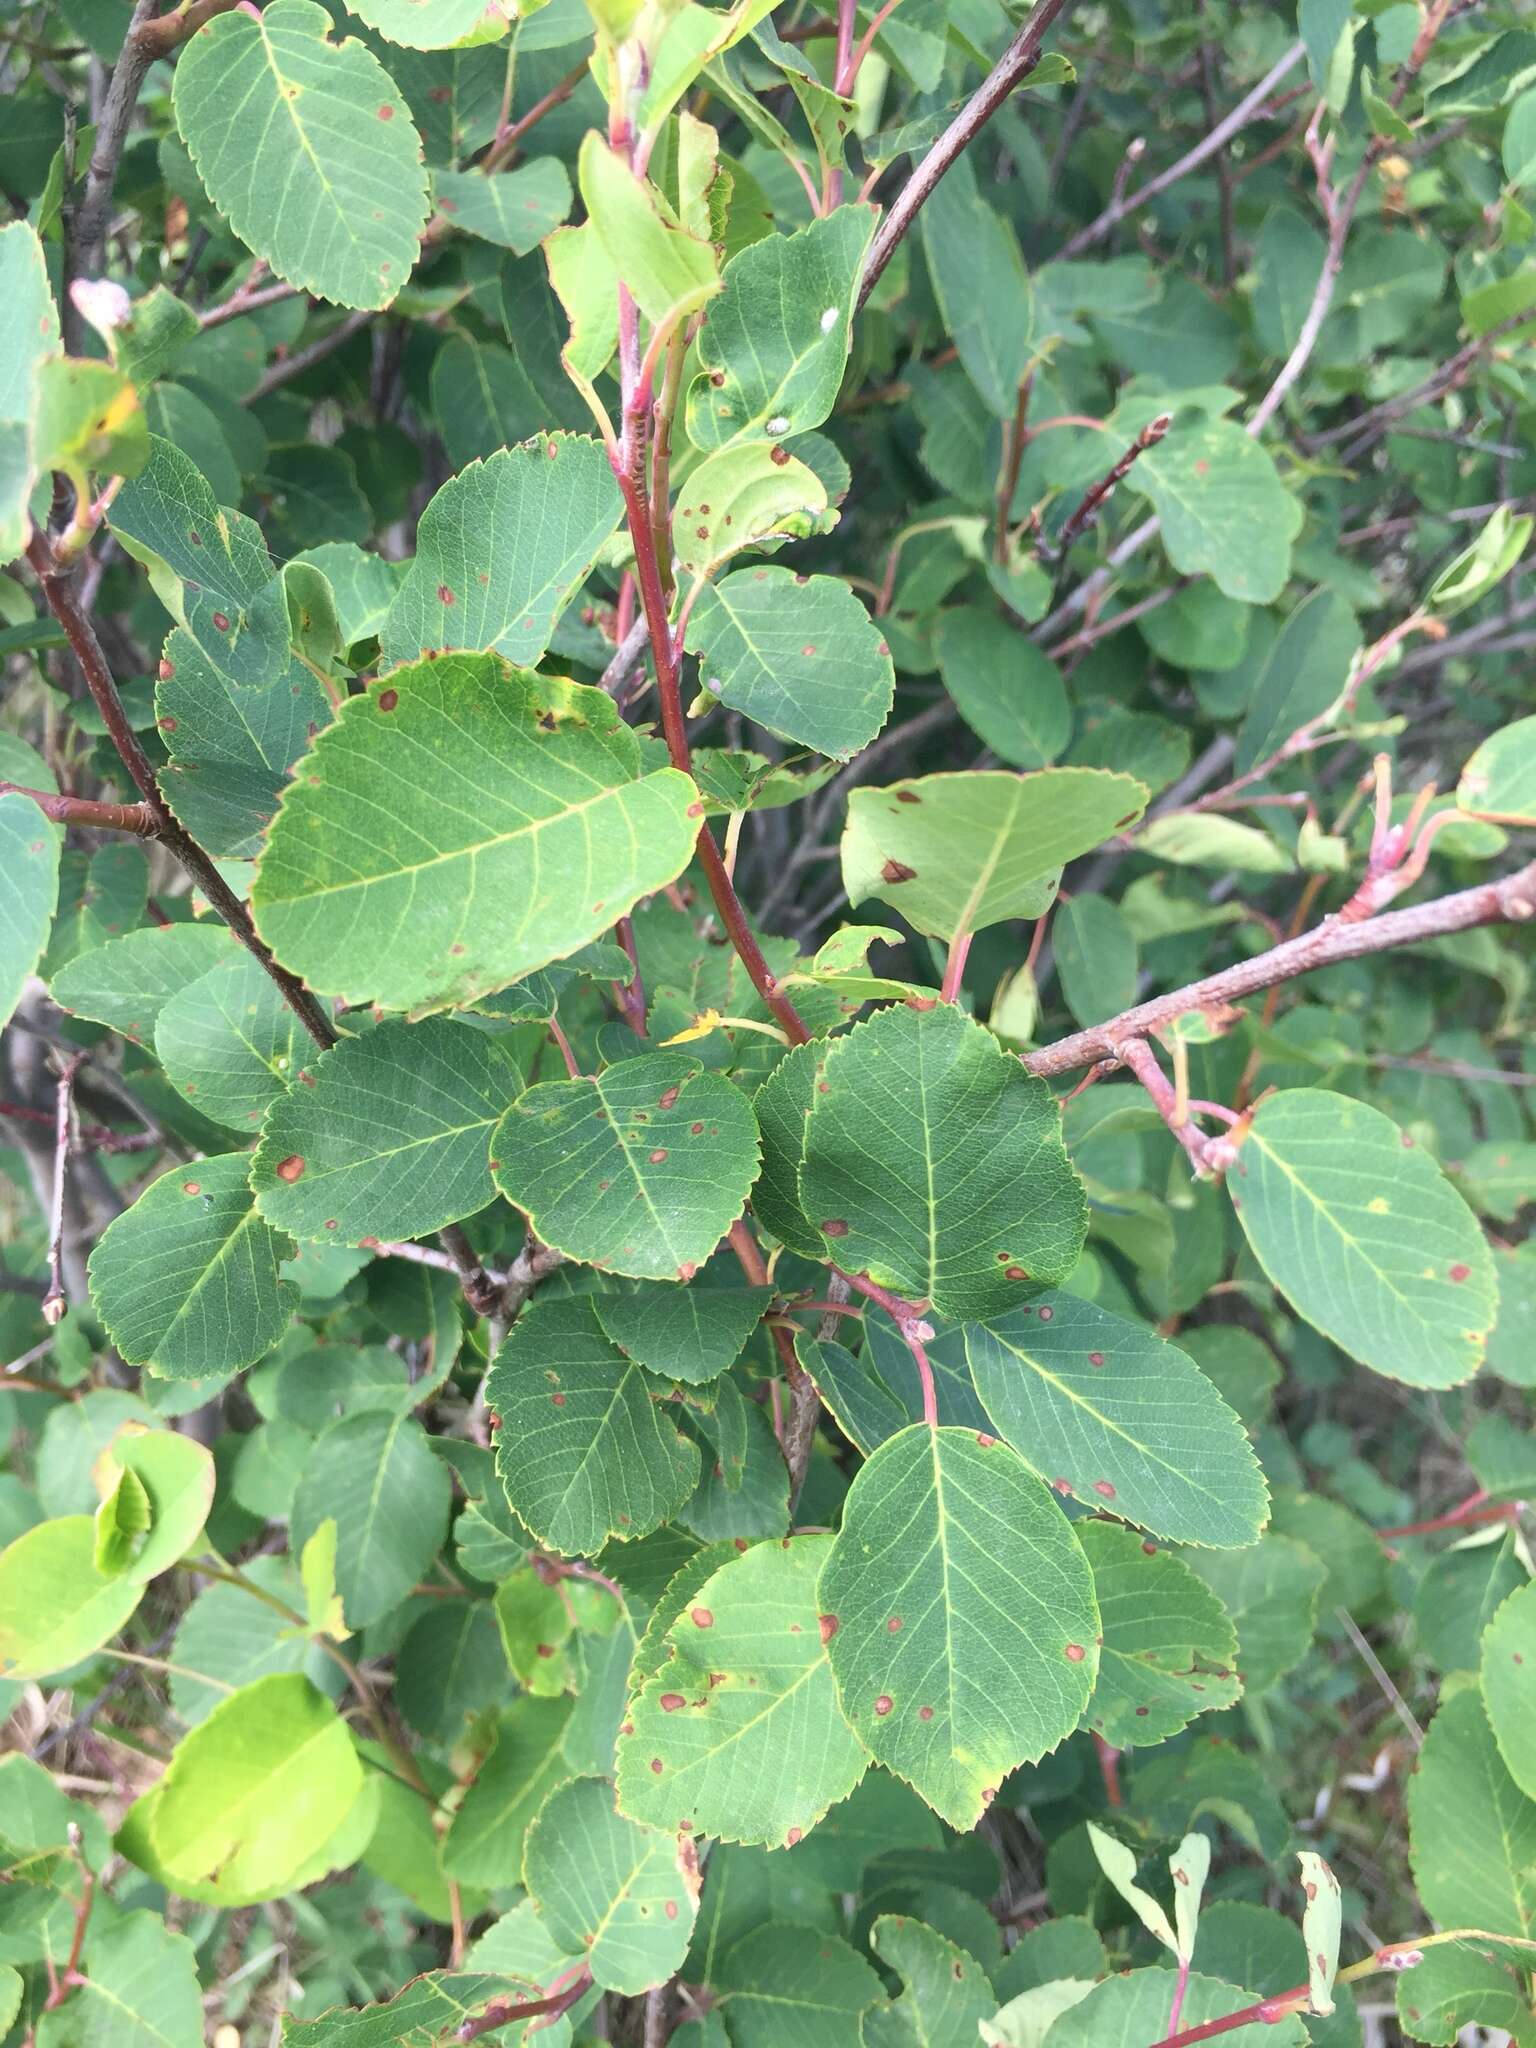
x=766, y=820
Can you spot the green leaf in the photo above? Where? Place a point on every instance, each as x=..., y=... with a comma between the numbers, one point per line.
x=1366, y=1237
x=322, y=1602
x=1270, y=1590
x=236, y=1639
x=1129, y=2010
x=934, y=1163
x=513, y=209
x=743, y=497
x=483, y=399
x=776, y=1984
x=1119, y=1864
x=1321, y=1918
x=800, y=656
x=56, y=1606
x=122, y=1522
x=1096, y=958
x=1169, y=1650
x=388, y=1137
x=1026, y=2021
x=1008, y=692
x=127, y=982
x=774, y=345
x=670, y=272
x=1471, y=1830
x=362, y=585
x=230, y=744
x=640, y=1169
x=586, y=1448
x=1304, y=672
x=501, y=549
x=87, y=418
x=460, y=826
x=621, y=1894
x=1499, y=780
x=187, y=1280
x=230, y=1042
x=947, y=1996
x=682, y=1333
x=174, y=1477
x=30, y=845
x=257, y=1788
x=138, y=1988
x=438, y=25
x=230, y=601
x=981, y=285
x=963, y=1629
x=484, y=1842
x=1465, y=1984
x=1109, y=1413
x=1509, y=1685
x=1205, y=839
x=375, y=1476
x=29, y=336
x=955, y=853
x=738, y=1733
x=307, y=150
x=1224, y=511
x=782, y=1104
x=429, y=2009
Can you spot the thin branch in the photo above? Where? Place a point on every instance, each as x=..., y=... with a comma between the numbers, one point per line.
x=506, y=2011
x=1086, y=516
x=304, y=359
x=81, y=810
x=55, y=1301
x=1510, y=901
x=63, y=600
x=90, y=221
x=1010, y=72
x=1249, y=108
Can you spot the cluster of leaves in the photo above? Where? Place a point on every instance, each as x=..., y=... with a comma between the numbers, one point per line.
x=591, y=1449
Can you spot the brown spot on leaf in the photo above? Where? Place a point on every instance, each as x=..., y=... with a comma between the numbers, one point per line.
x=291, y=1168
x=388, y=699
x=894, y=1625
x=925, y=1713
x=1075, y=1653
x=829, y=1625
x=883, y=1705
x=702, y=1618
x=666, y=1100
x=1461, y=1272
x=897, y=871
x=191, y=1187
x=658, y=1155
x=386, y=113
x=221, y=621
x=1103, y=1489
x=834, y=1227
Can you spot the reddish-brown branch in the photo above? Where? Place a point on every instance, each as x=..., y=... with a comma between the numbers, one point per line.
x=1010, y=72
x=1087, y=513
x=653, y=599
x=1475, y=1508
x=83, y=810
x=1510, y=901
x=63, y=600
x=505, y=2012
x=93, y=1137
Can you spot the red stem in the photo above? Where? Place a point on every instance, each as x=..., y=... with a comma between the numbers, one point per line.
x=1268, y=2012
x=83, y=810
x=1109, y=1770
x=503, y=2015
x=1469, y=1512
x=954, y=967
x=914, y=1334
x=726, y=901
